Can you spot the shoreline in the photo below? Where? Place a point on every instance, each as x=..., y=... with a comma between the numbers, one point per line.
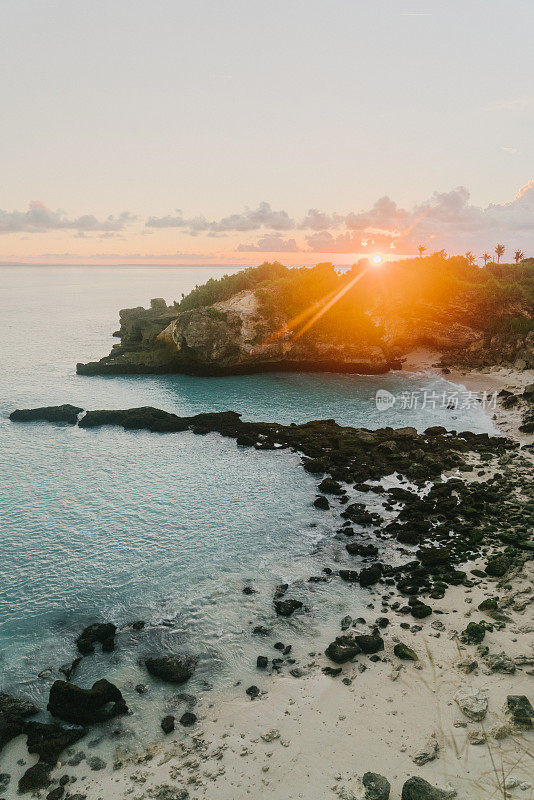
x=314, y=736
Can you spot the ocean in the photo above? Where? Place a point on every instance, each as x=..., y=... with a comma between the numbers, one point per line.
x=113, y=525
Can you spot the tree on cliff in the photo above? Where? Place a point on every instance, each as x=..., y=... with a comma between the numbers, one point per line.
x=499, y=250
x=485, y=257
x=470, y=257
x=519, y=256
x=421, y=249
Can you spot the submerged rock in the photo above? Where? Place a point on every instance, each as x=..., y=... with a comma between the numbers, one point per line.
x=285, y=608
x=173, y=669
x=167, y=724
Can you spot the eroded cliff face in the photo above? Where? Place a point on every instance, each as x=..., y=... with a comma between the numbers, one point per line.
x=228, y=337
x=233, y=337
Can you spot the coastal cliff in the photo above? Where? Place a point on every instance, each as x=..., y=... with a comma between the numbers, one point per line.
x=275, y=319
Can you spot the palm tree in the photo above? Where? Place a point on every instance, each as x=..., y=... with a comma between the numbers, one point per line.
x=470, y=257
x=499, y=250
x=486, y=257
x=519, y=256
x=421, y=249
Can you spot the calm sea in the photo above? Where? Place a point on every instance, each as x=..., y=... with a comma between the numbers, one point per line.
x=114, y=525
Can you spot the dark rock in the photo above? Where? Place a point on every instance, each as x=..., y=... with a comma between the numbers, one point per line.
x=520, y=708
x=141, y=688
x=102, y=632
x=376, y=786
x=5, y=779
x=420, y=610
x=188, y=719
x=330, y=486
x=497, y=566
x=419, y=789
x=96, y=763
x=349, y=575
x=85, y=706
x=321, y=502
x=365, y=550
x=261, y=630
x=285, y=608
x=262, y=662
x=382, y=622
x=490, y=604
x=167, y=724
x=56, y=794
x=68, y=669
x=35, y=778
x=138, y=625
x=473, y=634
x=370, y=575
x=403, y=651
x=172, y=669
x=249, y=590
x=279, y=646
x=252, y=692
x=65, y=413
x=369, y=643
x=332, y=672
x=342, y=649
x=48, y=740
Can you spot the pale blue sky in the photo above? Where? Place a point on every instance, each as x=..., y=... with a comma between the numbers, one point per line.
x=212, y=106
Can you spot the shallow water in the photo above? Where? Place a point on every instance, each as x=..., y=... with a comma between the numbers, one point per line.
x=114, y=525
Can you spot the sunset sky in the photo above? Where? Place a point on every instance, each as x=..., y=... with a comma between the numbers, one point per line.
x=238, y=131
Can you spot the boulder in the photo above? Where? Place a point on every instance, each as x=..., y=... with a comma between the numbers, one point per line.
x=342, y=649
x=498, y=565
x=35, y=778
x=187, y=719
x=370, y=575
x=349, y=575
x=172, y=669
x=330, y=486
x=376, y=786
x=86, y=706
x=472, y=702
x=520, y=708
x=369, y=643
x=473, y=634
x=321, y=502
x=420, y=610
x=419, y=789
x=403, y=651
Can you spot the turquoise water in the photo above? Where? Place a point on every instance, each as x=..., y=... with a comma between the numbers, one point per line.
x=114, y=525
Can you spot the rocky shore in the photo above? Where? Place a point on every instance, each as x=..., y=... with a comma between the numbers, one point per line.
x=426, y=696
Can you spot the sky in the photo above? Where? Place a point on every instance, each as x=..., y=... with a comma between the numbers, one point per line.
x=238, y=131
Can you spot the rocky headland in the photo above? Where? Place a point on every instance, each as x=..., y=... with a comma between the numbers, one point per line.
x=364, y=320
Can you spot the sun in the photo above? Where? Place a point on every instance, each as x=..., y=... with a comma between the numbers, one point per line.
x=377, y=259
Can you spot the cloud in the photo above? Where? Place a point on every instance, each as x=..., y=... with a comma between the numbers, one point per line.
x=270, y=243
x=249, y=220
x=40, y=219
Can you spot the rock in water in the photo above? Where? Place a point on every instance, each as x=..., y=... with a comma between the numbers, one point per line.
x=370, y=575
x=419, y=789
x=473, y=703
x=376, y=786
x=173, y=669
x=321, y=502
x=102, y=632
x=285, y=608
x=85, y=706
x=65, y=413
x=167, y=724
